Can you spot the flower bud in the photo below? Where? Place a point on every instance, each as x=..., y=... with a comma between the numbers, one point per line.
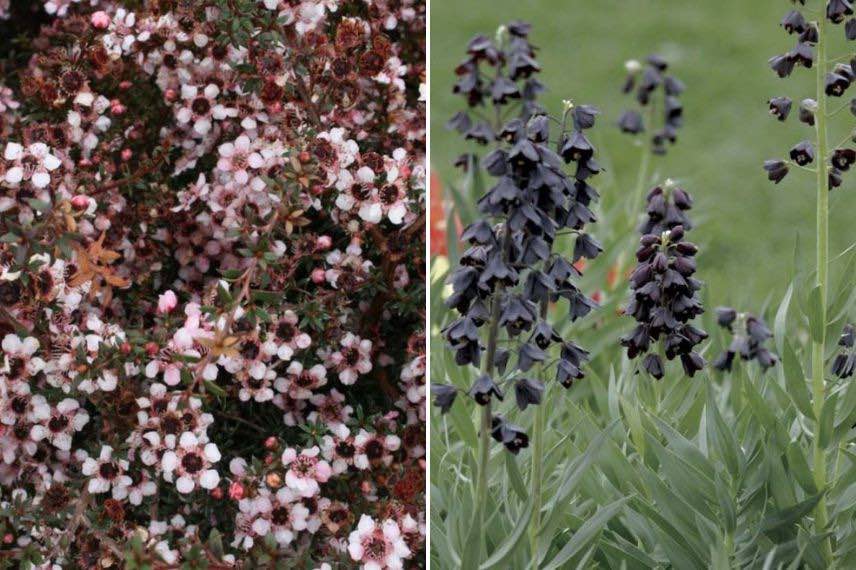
x=273, y=480
x=318, y=276
x=80, y=202
x=167, y=302
x=236, y=491
x=100, y=20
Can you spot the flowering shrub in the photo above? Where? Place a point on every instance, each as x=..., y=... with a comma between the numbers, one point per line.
x=211, y=275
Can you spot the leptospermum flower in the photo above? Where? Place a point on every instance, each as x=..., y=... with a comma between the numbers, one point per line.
x=510, y=273
x=305, y=470
x=352, y=359
x=19, y=357
x=281, y=514
x=300, y=383
x=107, y=474
x=33, y=163
x=200, y=108
x=377, y=546
x=373, y=450
x=190, y=464
x=66, y=418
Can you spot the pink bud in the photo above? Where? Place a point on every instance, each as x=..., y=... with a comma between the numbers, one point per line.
x=127, y=154
x=167, y=302
x=80, y=202
x=125, y=85
x=324, y=242
x=217, y=493
x=271, y=442
x=100, y=20
x=236, y=491
x=318, y=276
x=117, y=108
x=170, y=95
x=8, y=538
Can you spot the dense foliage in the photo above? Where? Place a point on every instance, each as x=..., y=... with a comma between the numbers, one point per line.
x=212, y=283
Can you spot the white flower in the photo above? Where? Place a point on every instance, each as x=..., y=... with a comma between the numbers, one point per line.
x=107, y=473
x=191, y=461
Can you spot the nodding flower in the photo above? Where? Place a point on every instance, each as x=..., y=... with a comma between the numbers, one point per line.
x=749, y=334
x=836, y=82
x=844, y=364
x=664, y=292
x=654, y=90
x=510, y=273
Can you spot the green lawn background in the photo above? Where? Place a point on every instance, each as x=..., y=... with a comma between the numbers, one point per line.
x=747, y=226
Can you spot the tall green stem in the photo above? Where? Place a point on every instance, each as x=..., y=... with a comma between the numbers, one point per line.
x=818, y=354
x=537, y=464
x=644, y=167
x=486, y=412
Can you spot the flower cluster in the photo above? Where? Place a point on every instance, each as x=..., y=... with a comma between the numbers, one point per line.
x=655, y=91
x=664, y=294
x=749, y=333
x=211, y=284
x=837, y=81
x=844, y=364
x=511, y=272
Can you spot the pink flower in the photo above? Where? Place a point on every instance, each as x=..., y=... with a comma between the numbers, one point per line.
x=300, y=383
x=374, y=450
x=353, y=359
x=378, y=547
x=305, y=471
x=167, y=302
x=238, y=157
x=100, y=20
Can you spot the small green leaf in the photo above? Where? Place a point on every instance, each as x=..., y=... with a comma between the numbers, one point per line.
x=214, y=389
x=786, y=518
x=798, y=466
x=721, y=438
x=827, y=420
x=510, y=544
x=587, y=532
x=781, y=321
x=215, y=543
x=795, y=380
x=39, y=205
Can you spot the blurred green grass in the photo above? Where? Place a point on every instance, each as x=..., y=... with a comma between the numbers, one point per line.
x=747, y=226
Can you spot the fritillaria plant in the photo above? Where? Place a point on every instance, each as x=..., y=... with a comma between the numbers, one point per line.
x=512, y=272
x=828, y=163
